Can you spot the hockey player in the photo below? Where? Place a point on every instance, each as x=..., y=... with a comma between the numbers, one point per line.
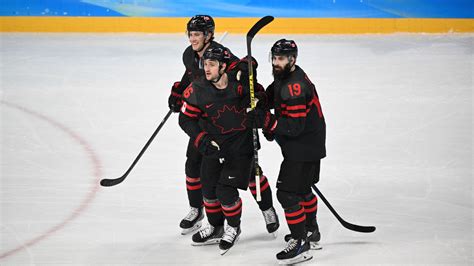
x=200, y=29
x=299, y=128
x=214, y=116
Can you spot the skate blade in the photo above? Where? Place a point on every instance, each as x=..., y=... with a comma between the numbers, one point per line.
x=224, y=251
x=207, y=243
x=315, y=246
x=300, y=258
x=196, y=226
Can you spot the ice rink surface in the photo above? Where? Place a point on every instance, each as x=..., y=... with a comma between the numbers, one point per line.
x=76, y=108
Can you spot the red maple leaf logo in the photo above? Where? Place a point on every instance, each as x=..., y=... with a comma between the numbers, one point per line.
x=230, y=119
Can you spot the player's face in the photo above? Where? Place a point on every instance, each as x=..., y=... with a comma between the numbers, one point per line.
x=279, y=62
x=211, y=68
x=282, y=65
x=197, y=39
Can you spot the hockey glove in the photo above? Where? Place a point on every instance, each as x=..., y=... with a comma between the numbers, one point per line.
x=270, y=122
x=243, y=69
x=254, y=118
x=209, y=147
x=175, y=100
x=262, y=98
x=268, y=135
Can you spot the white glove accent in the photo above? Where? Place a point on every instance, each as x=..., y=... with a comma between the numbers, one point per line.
x=213, y=143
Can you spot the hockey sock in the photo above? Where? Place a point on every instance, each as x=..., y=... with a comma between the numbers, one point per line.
x=310, y=204
x=296, y=219
x=265, y=192
x=214, y=212
x=193, y=187
x=233, y=212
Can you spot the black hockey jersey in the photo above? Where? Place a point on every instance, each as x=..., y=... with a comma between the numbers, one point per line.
x=195, y=67
x=301, y=129
x=219, y=113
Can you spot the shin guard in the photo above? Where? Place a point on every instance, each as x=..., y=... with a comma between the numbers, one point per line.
x=296, y=219
x=233, y=213
x=310, y=204
x=214, y=212
x=194, y=190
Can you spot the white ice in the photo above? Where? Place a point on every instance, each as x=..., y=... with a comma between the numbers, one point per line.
x=76, y=108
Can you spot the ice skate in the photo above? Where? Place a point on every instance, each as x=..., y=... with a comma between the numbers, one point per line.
x=313, y=238
x=230, y=237
x=296, y=251
x=192, y=221
x=271, y=220
x=208, y=235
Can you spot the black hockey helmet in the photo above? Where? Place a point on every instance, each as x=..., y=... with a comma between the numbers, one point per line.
x=220, y=54
x=203, y=23
x=285, y=47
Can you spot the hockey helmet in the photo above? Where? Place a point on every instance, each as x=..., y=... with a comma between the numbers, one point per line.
x=203, y=23
x=285, y=47
x=220, y=54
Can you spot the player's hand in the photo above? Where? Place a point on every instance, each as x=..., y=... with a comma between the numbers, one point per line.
x=270, y=136
x=269, y=122
x=175, y=101
x=209, y=147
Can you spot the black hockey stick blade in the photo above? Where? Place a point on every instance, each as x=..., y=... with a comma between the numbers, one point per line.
x=259, y=25
x=112, y=182
x=353, y=227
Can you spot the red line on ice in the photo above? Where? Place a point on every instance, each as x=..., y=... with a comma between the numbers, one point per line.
x=88, y=199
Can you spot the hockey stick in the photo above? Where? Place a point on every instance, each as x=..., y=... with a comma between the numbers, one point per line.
x=353, y=227
x=222, y=37
x=252, y=32
x=113, y=182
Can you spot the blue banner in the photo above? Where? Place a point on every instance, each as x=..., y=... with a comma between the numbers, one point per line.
x=240, y=8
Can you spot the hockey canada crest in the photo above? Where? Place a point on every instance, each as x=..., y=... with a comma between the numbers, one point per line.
x=230, y=119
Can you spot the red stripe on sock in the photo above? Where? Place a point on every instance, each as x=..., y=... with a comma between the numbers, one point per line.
x=196, y=187
x=311, y=209
x=213, y=210
x=212, y=204
x=193, y=179
x=238, y=205
x=228, y=214
x=308, y=203
x=296, y=213
x=299, y=220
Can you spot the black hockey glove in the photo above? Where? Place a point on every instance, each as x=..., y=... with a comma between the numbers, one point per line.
x=209, y=147
x=262, y=99
x=268, y=135
x=175, y=101
x=243, y=69
x=254, y=118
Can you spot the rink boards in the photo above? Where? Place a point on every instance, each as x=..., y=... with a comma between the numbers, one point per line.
x=235, y=25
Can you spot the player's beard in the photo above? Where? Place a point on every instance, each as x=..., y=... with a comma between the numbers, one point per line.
x=281, y=74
